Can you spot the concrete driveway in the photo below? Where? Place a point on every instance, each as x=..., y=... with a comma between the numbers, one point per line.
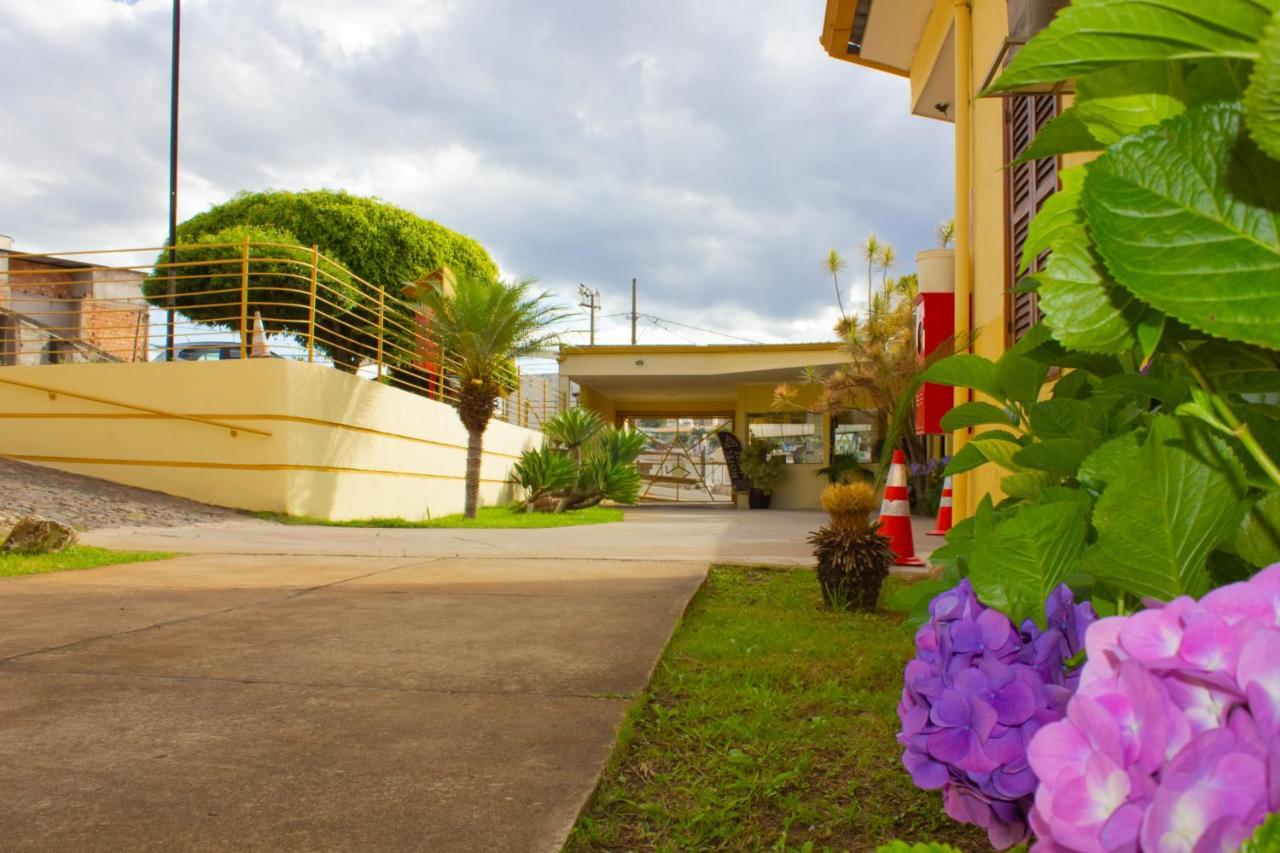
x=293, y=688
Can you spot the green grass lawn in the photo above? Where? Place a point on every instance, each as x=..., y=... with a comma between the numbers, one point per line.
x=769, y=724
x=488, y=517
x=75, y=557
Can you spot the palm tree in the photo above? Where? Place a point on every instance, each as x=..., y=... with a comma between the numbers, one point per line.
x=871, y=249
x=835, y=264
x=482, y=326
x=887, y=259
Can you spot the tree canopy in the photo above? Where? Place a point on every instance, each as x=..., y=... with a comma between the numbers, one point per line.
x=382, y=244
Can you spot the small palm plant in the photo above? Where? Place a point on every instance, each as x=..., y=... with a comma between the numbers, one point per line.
x=584, y=463
x=482, y=325
x=572, y=429
x=541, y=473
x=853, y=560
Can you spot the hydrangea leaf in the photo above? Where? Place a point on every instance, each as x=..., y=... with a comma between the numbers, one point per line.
x=1055, y=455
x=1082, y=307
x=967, y=371
x=966, y=459
x=1188, y=211
x=1066, y=133
x=1063, y=419
x=920, y=847
x=1108, y=460
x=977, y=413
x=1161, y=514
x=1020, y=377
x=1266, y=839
x=1115, y=102
x=1000, y=452
x=1258, y=541
x=1059, y=218
x=1027, y=485
x=1262, y=98
x=1091, y=35
x=1017, y=566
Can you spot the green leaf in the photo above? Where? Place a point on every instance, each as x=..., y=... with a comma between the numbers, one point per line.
x=1082, y=307
x=914, y=598
x=1021, y=377
x=977, y=414
x=998, y=451
x=1232, y=368
x=1262, y=98
x=1090, y=35
x=966, y=459
x=1059, y=220
x=1017, y=566
x=1258, y=541
x=1186, y=213
x=1028, y=485
x=1161, y=514
x=967, y=371
x=995, y=435
x=1212, y=80
x=1065, y=133
x=1115, y=102
x=1063, y=419
x=1266, y=839
x=1057, y=455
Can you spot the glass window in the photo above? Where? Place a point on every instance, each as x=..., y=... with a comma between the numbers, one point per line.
x=798, y=434
x=853, y=434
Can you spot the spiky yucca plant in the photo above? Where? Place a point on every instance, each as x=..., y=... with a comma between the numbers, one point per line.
x=481, y=326
x=853, y=560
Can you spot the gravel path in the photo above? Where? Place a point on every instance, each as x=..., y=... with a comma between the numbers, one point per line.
x=87, y=502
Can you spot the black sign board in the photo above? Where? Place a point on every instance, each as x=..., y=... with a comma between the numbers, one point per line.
x=732, y=449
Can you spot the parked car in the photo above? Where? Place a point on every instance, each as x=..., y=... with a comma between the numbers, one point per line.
x=207, y=351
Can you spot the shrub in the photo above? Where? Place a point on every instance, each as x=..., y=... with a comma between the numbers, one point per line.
x=852, y=559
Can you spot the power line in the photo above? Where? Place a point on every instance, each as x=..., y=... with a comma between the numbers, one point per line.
x=657, y=322
x=701, y=329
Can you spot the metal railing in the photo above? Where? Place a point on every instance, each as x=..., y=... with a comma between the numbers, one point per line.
x=235, y=301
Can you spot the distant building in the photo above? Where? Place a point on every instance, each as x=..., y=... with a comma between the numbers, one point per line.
x=56, y=310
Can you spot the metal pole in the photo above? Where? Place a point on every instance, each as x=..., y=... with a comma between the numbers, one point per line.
x=173, y=179
x=311, y=308
x=244, y=297
x=633, y=311
x=382, y=307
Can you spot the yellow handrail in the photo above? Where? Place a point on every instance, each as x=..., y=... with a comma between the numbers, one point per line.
x=53, y=392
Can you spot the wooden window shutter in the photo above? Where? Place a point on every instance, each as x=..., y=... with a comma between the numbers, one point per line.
x=1027, y=187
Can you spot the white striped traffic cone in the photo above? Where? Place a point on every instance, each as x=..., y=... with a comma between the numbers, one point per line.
x=895, y=514
x=944, y=511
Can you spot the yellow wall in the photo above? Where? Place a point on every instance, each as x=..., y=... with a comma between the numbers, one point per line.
x=339, y=446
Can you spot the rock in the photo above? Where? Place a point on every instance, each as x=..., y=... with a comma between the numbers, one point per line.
x=35, y=535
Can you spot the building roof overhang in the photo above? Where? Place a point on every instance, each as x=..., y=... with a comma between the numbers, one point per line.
x=654, y=375
x=909, y=38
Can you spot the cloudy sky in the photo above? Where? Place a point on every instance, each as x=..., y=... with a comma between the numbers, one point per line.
x=708, y=148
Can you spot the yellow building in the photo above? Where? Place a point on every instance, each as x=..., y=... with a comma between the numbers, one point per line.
x=949, y=50
x=682, y=395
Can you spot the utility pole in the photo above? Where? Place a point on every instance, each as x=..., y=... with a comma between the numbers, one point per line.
x=633, y=311
x=173, y=177
x=590, y=299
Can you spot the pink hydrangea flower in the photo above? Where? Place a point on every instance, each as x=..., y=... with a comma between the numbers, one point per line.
x=974, y=695
x=1172, y=742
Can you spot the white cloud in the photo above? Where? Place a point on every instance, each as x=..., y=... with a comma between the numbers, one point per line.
x=710, y=149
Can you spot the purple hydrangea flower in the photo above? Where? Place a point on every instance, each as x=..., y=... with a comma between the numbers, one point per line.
x=975, y=694
x=1172, y=742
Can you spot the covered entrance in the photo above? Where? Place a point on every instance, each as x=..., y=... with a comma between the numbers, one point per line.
x=682, y=462
x=681, y=396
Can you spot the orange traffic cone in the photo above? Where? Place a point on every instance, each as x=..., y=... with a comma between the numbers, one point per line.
x=944, y=511
x=895, y=514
